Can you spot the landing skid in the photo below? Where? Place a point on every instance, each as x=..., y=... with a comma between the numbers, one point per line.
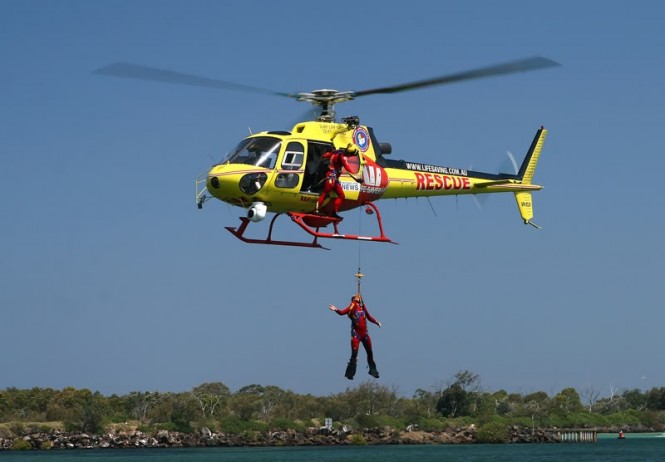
x=312, y=223
x=239, y=233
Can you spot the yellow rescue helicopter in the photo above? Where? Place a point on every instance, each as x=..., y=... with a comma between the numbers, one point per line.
x=283, y=172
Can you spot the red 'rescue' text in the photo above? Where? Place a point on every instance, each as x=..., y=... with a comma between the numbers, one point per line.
x=432, y=181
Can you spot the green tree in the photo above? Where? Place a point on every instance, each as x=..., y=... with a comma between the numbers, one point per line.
x=535, y=405
x=502, y=402
x=453, y=402
x=461, y=396
x=484, y=405
x=245, y=405
x=257, y=401
x=5, y=406
x=372, y=398
x=91, y=411
x=64, y=405
x=567, y=401
x=270, y=400
x=117, y=411
x=162, y=409
x=425, y=402
x=303, y=407
x=211, y=398
x=139, y=403
x=78, y=409
x=635, y=399
x=184, y=411
x=337, y=407
x=655, y=399
x=28, y=404
x=468, y=380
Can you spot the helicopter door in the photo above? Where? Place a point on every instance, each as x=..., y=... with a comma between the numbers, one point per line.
x=315, y=167
x=292, y=160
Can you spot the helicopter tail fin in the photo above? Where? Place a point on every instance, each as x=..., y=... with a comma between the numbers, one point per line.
x=525, y=174
x=531, y=159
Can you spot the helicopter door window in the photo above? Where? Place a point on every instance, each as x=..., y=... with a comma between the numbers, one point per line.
x=293, y=160
x=293, y=156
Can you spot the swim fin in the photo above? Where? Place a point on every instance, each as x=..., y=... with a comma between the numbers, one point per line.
x=350, y=370
x=372, y=370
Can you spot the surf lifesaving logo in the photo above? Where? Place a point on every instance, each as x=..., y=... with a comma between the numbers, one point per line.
x=361, y=138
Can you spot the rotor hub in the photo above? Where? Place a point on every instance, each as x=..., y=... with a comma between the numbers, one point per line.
x=326, y=100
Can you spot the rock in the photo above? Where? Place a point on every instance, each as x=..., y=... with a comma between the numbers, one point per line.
x=163, y=437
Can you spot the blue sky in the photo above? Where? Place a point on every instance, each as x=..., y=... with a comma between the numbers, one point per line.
x=112, y=280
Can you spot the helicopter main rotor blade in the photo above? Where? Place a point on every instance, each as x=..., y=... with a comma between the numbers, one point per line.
x=134, y=71
x=522, y=65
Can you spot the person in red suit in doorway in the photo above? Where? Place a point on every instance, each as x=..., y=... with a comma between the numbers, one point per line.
x=338, y=160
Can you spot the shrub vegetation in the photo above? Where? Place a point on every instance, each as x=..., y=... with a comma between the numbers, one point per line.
x=256, y=409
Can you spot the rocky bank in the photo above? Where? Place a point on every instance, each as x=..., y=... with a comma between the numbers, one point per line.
x=310, y=437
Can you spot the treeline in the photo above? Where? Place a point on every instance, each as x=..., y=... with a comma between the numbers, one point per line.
x=370, y=404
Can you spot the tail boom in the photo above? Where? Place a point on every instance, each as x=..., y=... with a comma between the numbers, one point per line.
x=408, y=179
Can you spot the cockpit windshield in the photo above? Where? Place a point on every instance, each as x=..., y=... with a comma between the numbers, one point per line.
x=260, y=151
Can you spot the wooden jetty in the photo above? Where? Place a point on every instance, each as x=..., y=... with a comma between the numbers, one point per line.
x=575, y=435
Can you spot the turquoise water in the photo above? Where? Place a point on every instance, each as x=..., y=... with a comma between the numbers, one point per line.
x=606, y=450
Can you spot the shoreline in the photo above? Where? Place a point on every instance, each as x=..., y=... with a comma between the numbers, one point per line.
x=58, y=440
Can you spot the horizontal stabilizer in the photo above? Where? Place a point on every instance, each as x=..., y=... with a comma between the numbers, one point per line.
x=487, y=184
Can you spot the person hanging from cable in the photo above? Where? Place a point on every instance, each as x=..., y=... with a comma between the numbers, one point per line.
x=338, y=160
x=357, y=312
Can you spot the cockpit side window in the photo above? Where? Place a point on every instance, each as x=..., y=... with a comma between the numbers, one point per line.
x=293, y=156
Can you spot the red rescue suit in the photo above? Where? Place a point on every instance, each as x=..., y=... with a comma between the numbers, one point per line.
x=337, y=162
x=359, y=315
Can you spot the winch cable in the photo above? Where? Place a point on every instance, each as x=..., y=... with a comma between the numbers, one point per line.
x=359, y=275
